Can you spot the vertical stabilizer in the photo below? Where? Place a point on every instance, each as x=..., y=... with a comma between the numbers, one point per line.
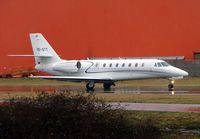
x=43, y=52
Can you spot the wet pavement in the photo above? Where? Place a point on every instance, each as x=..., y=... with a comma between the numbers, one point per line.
x=137, y=89
x=157, y=107
x=31, y=89
x=123, y=90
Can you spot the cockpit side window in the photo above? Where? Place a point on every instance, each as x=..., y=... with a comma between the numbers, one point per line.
x=159, y=64
x=155, y=65
x=164, y=64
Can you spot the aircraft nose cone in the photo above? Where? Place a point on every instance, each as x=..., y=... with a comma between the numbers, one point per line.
x=184, y=73
x=180, y=72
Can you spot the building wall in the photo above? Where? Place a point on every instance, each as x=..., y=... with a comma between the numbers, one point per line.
x=100, y=28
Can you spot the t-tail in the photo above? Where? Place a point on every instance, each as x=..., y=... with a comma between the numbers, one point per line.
x=42, y=50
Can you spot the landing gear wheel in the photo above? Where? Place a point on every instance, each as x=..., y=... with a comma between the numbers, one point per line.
x=90, y=86
x=171, y=86
x=107, y=86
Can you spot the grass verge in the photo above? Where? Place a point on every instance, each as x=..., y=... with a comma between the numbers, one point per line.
x=150, y=98
x=118, y=97
x=189, y=81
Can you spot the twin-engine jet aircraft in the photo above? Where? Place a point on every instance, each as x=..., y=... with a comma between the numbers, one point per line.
x=97, y=71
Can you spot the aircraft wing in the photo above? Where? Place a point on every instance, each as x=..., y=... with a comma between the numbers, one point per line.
x=73, y=78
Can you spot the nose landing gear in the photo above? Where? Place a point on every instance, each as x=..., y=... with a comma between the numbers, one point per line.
x=171, y=86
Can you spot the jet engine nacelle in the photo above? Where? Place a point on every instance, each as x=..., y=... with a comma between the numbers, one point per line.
x=72, y=66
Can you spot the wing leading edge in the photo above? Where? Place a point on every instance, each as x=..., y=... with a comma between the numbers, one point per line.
x=75, y=79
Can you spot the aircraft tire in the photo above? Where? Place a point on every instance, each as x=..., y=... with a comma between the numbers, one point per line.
x=170, y=87
x=90, y=86
x=107, y=86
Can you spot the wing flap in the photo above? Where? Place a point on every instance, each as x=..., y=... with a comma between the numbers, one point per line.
x=72, y=78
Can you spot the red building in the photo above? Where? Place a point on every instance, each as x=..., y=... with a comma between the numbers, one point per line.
x=100, y=28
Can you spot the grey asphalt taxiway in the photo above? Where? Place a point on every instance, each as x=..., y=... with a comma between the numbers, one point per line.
x=157, y=107
x=125, y=106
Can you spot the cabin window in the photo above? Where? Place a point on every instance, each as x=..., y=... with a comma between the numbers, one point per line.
x=136, y=64
x=97, y=64
x=159, y=65
x=142, y=64
x=117, y=65
x=129, y=65
x=110, y=64
x=104, y=65
x=78, y=64
x=123, y=65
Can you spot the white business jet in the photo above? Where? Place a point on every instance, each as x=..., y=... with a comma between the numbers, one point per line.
x=106, y=71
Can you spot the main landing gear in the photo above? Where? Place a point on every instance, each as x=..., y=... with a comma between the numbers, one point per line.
x=107, y=86
x=90, y=86
x=171, y=86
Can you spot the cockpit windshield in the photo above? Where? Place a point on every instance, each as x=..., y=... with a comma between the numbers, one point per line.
x=161, y=64
x=165, y=64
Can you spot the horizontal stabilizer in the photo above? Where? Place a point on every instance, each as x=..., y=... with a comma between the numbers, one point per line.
x=44, y=55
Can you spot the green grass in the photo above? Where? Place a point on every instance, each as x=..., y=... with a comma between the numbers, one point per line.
x=171, y=120
x=190, y=81
x=150, y=98
x=8, y=95
x=171, y=123
x=135, y=98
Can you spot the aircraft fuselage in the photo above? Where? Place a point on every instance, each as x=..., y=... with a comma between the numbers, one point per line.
x=122, y=69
